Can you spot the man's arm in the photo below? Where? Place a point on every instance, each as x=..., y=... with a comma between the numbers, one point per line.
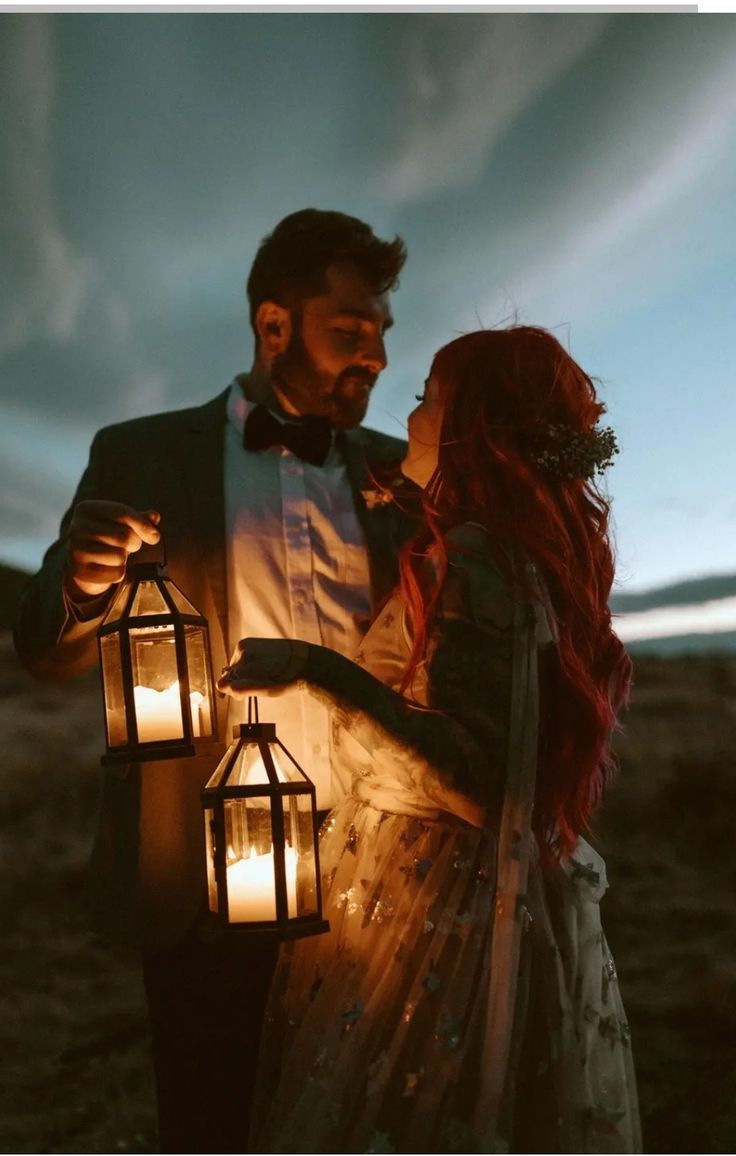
x=59, y=612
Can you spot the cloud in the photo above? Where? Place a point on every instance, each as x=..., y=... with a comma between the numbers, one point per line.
x=619, y=239
x=56, y=303
x=466, y=84
x=711, y=617
x=40, y=456
x=48, y=280
x=41, y=459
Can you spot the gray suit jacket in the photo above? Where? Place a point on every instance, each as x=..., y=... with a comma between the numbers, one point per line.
x=148, y=879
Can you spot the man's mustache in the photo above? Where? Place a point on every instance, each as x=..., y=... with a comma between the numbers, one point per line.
x=355, y=373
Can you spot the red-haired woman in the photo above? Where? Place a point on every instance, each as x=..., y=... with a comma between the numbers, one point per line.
x=465, y=999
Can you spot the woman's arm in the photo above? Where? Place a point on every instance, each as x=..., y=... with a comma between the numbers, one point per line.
x=457, y=742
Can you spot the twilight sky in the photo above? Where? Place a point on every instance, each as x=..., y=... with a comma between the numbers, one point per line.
x=576, y=171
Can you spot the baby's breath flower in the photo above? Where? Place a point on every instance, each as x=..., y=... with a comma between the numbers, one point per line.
x=571, y=454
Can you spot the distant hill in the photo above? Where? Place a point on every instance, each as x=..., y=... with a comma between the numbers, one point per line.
x=679, y=645
x=691, y=592
x=11, y=583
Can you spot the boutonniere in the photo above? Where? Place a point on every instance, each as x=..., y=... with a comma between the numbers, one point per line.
x=388, y=486
x=374, y=499
x=386, y=481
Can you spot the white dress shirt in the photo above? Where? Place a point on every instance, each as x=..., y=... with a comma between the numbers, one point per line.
x=297, y=567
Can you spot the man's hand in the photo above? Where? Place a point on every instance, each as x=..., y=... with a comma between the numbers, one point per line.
x=101, y=536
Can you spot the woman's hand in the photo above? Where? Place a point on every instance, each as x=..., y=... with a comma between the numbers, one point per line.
x=263, y=665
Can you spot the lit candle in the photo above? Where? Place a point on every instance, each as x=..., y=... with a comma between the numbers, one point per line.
x=251, y=887
x=158, y=713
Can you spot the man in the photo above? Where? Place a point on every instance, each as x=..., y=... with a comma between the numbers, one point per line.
x=266, y=499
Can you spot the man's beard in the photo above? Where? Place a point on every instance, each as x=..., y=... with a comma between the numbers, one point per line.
x=343, y=400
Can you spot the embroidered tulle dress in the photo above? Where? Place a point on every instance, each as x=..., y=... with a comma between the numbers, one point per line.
x=463, y=1000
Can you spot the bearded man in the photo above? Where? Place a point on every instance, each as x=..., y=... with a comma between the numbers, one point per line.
x=263, y=497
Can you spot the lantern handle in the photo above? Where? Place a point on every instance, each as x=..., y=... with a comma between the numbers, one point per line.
x=147, y=554
x=252, y=710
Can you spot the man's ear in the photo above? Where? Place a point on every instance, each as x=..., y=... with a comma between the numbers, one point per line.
x=273, y=326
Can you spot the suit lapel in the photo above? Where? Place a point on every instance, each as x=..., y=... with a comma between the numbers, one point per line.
x=384, y=526
x=204, y=480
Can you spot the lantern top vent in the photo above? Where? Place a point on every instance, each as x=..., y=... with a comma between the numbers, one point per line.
x=150, y=570
x=255, y=731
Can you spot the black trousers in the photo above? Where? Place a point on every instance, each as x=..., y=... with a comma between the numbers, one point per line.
x=206, y=1002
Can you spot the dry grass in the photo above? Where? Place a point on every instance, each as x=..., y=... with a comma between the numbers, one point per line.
x=76, y=1066
x=670, y=914
x=667, y=831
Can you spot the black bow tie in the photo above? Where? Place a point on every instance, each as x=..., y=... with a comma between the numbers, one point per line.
x=309, y=438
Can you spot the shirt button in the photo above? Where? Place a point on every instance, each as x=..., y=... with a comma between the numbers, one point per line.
x=300, y=597
x=317, y=749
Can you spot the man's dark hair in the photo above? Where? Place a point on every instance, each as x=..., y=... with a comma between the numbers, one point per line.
x=292, y=261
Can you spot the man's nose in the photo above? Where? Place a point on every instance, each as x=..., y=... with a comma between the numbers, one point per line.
x=374, y=354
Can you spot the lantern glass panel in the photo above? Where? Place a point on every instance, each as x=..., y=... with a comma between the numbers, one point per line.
x=182, y=604
x=156, y=683
x=252, y=771
x=200, y=687
x=251, y=885
x=219, y=773
x=118, y=604
x=115, y=719
x=247, y=828
x=148, y=599
x=209, y=838
x=299, y=834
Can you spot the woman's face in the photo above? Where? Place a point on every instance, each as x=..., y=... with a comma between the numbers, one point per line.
x=424, y=428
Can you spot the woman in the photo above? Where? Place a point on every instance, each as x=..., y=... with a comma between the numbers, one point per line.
x=465, y=998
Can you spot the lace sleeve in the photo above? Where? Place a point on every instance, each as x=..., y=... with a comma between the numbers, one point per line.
x=457, y=743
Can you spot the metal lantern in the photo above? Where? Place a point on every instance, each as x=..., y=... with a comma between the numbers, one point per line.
x=260, y=821
x=156, y=671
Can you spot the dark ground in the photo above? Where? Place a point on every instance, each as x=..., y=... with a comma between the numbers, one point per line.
x=73, y=1041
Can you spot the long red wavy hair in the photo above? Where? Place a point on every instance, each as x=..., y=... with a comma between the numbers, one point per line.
x=500, y=389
